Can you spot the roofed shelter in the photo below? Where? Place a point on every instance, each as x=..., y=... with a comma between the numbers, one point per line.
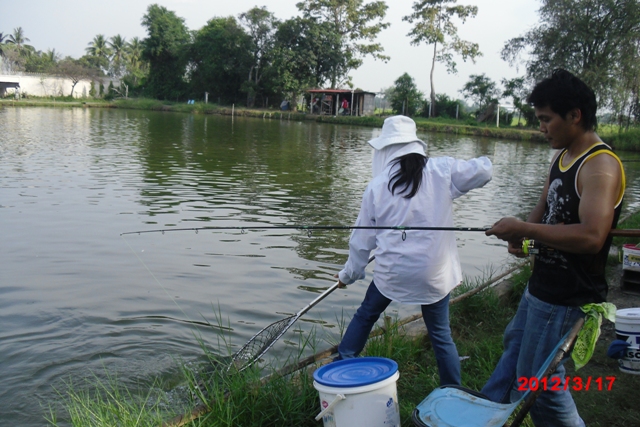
x=330, y=102
x=9, y=82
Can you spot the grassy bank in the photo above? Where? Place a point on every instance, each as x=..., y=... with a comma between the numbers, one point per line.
x=625, y=141
x=427, y=125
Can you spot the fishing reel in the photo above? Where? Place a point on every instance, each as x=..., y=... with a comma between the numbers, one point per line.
x=531, y=247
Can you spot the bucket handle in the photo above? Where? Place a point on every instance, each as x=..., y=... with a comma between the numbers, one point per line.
x=338, y=398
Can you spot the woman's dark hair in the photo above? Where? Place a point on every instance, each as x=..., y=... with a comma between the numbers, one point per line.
x=562, y=92
x=409, y=176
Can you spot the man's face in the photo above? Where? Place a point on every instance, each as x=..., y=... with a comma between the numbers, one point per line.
x=558, y=130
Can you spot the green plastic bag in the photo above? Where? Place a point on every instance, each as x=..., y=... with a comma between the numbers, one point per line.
x=588, y=335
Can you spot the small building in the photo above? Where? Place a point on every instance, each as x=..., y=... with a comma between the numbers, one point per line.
x=9, y=82
x=331, y=102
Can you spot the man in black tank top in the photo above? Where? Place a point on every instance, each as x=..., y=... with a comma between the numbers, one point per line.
x=579, y=204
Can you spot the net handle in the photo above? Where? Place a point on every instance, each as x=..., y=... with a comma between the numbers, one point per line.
x=325, y=294
x=294, y=318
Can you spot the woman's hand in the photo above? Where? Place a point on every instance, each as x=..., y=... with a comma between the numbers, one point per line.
x=340, y=284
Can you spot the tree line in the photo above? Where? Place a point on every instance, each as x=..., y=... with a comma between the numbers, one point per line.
x=257, y=59
x=252, y=58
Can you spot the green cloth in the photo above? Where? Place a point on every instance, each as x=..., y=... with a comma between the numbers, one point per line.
x=588, y=335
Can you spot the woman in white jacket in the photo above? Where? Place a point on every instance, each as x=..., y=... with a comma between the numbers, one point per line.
x=415, y=266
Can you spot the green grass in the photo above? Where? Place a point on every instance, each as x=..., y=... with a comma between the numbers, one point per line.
x=620, y=139
x=105, y=403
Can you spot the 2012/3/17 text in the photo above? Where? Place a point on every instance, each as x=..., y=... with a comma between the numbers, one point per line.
x=570, y=383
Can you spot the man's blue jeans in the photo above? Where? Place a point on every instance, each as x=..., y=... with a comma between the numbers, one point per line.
x=529, y=338
x=436, y=318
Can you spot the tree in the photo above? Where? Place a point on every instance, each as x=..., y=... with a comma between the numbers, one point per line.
x=98, y=48
x=117, y=45
x=42, y=62
x=446, y=107
x=94, y=63
x=482, y=90
x=625, y=102
x=433, y=25
x=220, y=59
x=18, y=39
x=110, y=91
x=261, y=26
x=13, y=59
x=588, y=37
x=135, y=66
x=75, y=71
x=3, y=39
x=166, y=50
x=304, y=56
x=518, y=91
x=406, y=98
x=357, y=26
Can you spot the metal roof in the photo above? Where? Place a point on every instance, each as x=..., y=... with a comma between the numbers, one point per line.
x=342, y=91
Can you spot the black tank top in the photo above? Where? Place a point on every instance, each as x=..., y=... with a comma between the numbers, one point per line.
x=564, y=278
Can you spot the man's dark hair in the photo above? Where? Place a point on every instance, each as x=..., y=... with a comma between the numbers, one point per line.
x=562, y=92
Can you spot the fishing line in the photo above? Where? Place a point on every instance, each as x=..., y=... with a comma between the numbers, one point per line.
x=160, y=284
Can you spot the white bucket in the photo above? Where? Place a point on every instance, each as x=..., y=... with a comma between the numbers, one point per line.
x=358, y=392
x=628, y=329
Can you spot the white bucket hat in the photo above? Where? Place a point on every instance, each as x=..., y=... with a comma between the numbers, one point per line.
x=396, y=130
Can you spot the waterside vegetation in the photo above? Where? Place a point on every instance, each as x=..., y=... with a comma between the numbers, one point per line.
x=468, y=127
x=625, y=140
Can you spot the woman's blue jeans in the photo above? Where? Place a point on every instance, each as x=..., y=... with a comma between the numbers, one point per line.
x=529, y=338
x=436, y=318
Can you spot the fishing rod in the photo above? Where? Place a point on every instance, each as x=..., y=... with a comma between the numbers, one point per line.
x=614, y=232
x=311, y=228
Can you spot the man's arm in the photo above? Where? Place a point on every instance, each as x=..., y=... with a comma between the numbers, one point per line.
x=599, y=184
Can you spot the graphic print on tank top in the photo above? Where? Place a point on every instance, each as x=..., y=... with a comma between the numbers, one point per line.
x=556, y=212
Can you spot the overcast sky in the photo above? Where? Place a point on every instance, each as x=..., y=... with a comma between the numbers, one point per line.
x=69, y=25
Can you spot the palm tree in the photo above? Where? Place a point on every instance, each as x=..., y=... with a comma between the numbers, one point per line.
x=118, y=46
x=3, y=39
x=98, y=47
x=134, y=51
x=18, y=39
x=51, y=56
x=135, y=65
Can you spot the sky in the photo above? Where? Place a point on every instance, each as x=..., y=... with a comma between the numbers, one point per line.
x=69, y=25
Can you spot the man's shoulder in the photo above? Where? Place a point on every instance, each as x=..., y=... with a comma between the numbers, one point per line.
x=603, y=171
x=602, y=157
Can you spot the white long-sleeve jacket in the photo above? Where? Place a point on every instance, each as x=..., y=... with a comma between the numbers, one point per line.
x=425, y=267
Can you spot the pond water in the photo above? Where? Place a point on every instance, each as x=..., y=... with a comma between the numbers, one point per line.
x=77, y=299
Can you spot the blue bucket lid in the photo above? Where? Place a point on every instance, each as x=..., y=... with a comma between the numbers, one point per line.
x=355, y=372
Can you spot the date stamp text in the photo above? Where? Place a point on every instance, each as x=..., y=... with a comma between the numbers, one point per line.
x=570, y=383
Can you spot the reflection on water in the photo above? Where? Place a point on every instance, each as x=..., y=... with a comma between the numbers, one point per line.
x=76, y=298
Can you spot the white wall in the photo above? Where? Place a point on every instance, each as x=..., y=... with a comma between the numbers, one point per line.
x=47, y=85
